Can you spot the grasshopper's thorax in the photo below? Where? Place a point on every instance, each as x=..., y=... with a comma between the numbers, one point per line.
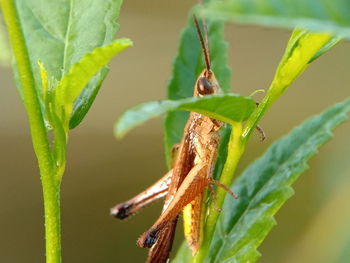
x=204, y=130
x=204, y=138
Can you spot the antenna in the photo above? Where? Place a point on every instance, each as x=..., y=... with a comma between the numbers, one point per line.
x=206, y=35
x=204, y=43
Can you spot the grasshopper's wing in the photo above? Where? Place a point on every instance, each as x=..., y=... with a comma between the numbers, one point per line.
x=159, y=253
x=154, y=192
x=192, y=186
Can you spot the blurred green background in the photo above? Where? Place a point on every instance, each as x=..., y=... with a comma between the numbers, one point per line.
x=101, y=171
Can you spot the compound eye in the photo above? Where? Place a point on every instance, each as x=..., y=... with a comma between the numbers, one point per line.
x=205, y=87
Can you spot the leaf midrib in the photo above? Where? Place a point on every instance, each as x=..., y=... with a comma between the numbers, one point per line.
x=66, y=38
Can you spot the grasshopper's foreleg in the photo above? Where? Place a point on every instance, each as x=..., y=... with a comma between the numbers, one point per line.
x=259, y=128
x=156, y=191
x=173, y=153
x=261, y=131
x=224, y=187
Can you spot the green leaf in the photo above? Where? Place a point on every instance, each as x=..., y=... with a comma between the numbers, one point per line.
x=331, y=43
x=266, y=184
x=60, y=32
x=299, y=34
x=186, y=68
x=330, y=16
x=83, y=103
x=228, y=108
x=302, y=48
x=72, y=84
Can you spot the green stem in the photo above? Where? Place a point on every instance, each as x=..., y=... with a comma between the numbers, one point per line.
x=235, y=151
x=51, y=189
x=39, y=134
x=253, y=120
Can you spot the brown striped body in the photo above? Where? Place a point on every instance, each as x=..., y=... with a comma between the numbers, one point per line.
x=192, y=172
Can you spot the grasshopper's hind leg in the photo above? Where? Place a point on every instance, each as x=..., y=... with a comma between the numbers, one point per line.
x=191, y=187
x=154, y=192
x=161, y=249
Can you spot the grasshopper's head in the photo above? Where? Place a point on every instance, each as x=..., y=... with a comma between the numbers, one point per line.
x=206, y=83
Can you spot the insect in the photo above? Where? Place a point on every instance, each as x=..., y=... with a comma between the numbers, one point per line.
x=184, y=186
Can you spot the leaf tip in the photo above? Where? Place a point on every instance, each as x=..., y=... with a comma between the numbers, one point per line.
x=119, y=132
x=125, y=42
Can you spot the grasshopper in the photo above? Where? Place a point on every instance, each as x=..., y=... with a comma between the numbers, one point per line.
x=184, y=185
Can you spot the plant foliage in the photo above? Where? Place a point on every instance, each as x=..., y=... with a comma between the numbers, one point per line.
x=229, y=108
x=72, y=83
x=264, y=186
x=59, y=33
x=61, y=49
x=303, y=48
x=330, y=16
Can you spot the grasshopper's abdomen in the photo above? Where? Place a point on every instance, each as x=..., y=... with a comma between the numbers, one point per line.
x=193, y=220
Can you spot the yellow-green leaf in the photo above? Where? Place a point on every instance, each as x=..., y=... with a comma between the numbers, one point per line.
x=72, y=84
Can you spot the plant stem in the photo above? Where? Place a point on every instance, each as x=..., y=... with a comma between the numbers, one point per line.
x=235, y=151
x=47, y=166
x=51, y=190
x=37, y=126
